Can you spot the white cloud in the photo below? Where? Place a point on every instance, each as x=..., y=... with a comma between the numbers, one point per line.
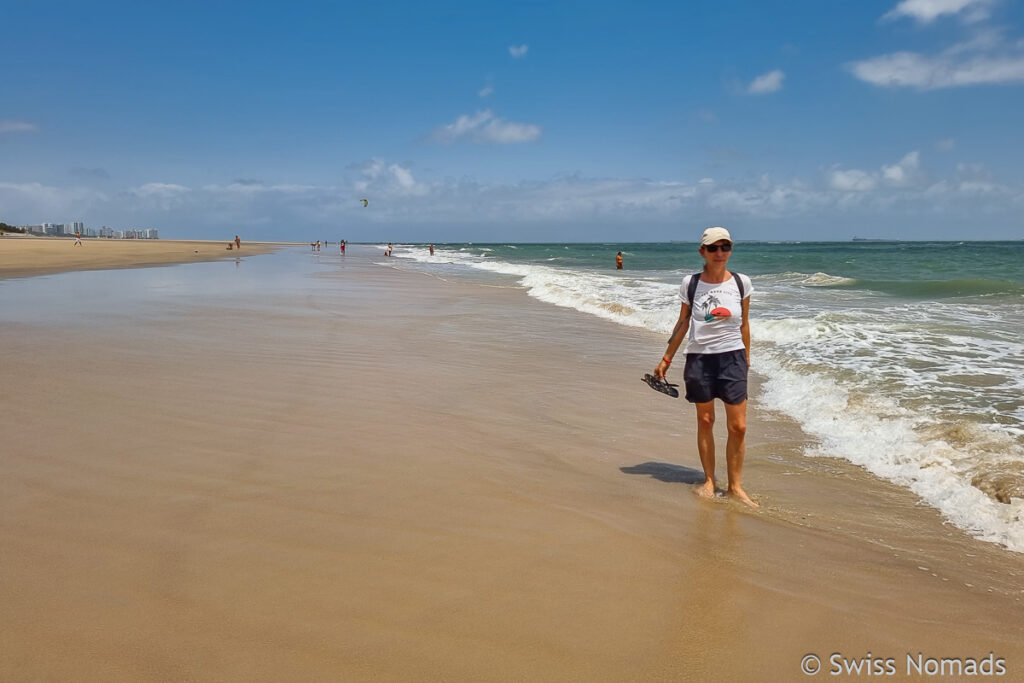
x=158, y=196
x=972, y=172
x=248, y=187
x=518, y=51
x=160, y=190
x=985, y=58
x=403, y=197
x=945, y=145
x=982, y=40
x=903, y=171
x=852, y=180
x=978, y=187
x=501, y=131
x=484, y=126
x=373, y=169
x=12, y=126
x=404, y=182
x=927, y=11
x=380, y=178
x=27, y=203
x=486, y=91
x=766, y=83
x=913, y=70
x=463, y=126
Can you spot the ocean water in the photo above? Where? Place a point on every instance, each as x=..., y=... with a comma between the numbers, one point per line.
x=905, y=358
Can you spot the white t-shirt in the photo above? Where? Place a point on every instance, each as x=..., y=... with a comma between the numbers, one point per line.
x=716, y=315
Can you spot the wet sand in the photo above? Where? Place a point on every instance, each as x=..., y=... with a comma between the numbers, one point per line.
x=394, y=477
x=27, y=256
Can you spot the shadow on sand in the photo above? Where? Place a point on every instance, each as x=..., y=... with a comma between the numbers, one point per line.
x=663, y=471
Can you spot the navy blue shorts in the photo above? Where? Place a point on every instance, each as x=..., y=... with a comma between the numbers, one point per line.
x=716, y=375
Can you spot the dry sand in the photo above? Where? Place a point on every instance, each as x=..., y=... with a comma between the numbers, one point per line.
x=25, y=256
x=401, y=478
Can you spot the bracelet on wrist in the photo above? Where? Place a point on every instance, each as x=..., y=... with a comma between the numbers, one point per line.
x=666, y=361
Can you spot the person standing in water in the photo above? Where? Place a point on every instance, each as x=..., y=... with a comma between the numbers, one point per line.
x=716, y=305
x=618, y=261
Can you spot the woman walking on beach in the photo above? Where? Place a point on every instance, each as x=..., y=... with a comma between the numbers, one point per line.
x=716, y=304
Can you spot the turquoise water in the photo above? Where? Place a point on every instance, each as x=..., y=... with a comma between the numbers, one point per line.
x=905, y=358
x=914, y=268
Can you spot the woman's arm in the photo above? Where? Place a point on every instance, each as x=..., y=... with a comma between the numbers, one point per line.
x=678, y=335
x=745, y=327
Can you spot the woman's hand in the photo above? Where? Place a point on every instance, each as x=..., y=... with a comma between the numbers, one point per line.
x=662, y=368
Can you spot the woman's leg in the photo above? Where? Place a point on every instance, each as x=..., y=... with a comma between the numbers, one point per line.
x=735, y=449
x=706, y=446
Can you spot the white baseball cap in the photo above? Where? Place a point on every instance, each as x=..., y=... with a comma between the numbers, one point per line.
x=712, y=235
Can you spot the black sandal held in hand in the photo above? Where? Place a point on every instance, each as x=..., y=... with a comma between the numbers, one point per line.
x=661, y=385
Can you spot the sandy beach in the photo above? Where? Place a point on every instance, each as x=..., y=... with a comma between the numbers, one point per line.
x=385, y=475
x=22, y=256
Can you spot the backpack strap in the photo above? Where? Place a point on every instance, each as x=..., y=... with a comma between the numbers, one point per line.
x=739, y=283
x=691, y=290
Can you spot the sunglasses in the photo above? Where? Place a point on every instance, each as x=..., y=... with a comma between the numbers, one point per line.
x=715, y=247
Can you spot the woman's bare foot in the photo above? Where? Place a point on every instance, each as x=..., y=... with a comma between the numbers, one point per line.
x=741, y=495
x=706, y=490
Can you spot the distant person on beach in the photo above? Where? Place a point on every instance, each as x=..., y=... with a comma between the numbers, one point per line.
x=389, y=249
x=618, y=261
x=318, y=246
x=238, y=242
x=716, y=305
x=431, y=249
x=342, y=247
x=78, y=239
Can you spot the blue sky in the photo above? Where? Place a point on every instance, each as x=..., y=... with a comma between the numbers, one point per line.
x=516, y=121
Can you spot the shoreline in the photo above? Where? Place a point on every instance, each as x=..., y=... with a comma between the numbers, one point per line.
x=30, y=256
x=398, y=476
x=927, y=442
